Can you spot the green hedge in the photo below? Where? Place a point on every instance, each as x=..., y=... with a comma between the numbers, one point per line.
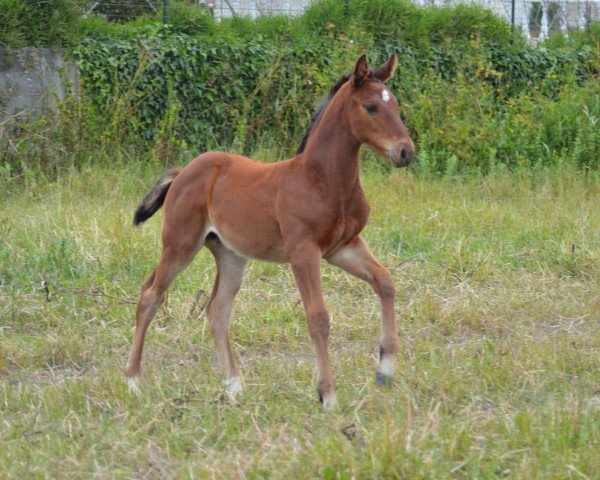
x=473, y=93
x=220, y=91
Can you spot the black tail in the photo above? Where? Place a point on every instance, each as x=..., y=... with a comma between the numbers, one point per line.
x=154, y=200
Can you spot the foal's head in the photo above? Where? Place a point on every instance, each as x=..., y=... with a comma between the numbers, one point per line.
x=373, y=112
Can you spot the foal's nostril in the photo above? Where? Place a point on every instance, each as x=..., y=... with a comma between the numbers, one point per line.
x=401, y=154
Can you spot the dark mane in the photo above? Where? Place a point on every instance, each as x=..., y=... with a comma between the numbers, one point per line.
x=314, y=120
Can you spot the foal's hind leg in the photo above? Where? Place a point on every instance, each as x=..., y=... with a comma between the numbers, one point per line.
x=178, y=251
x=356, y=259
x=230, y=271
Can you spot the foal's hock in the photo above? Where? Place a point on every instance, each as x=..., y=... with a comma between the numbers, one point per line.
x=297, y=211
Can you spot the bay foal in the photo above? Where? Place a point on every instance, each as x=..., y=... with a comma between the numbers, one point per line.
x=296, y=211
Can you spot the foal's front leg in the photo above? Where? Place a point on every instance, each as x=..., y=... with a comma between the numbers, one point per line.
x=306, y=265
x=357, y=259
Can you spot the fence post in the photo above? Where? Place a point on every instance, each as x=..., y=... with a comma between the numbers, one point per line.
x=165, y=7
x=512, y=15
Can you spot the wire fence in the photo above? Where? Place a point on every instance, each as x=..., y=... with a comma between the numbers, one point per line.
x=536, y=18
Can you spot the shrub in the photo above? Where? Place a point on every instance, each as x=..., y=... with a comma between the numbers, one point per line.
x=39, y=23
x=474, y=93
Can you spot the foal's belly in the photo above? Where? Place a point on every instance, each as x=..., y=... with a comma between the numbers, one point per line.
x=250, y=234
x=247, y=212
x=242, y=214
x=258, y=240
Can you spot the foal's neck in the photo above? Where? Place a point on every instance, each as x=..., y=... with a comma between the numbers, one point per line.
x=332, y=155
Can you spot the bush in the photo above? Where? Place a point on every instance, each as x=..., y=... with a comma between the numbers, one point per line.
x=229, y=92
x=39, y=23
x=474, y=94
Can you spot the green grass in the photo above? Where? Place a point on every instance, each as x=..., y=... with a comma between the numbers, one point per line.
x=498, y=283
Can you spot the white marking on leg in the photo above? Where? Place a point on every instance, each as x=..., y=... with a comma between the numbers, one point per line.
x=386, y=366
x=385, y=95
x=234, y=386
x=330, y=403
x=132, y=384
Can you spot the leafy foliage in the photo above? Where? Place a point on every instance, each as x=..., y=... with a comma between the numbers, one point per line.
x=228, y=91
x=25, y=23
x=473, y=93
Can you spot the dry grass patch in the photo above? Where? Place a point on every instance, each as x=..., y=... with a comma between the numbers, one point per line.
x=498, y=285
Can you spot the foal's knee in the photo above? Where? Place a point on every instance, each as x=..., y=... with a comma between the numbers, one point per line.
x=149, y=298
x=218, y=327
x=318, y=324
x=384, y=284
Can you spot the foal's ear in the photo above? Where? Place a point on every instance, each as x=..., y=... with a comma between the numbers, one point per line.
x=386, y=71
x=361, y=71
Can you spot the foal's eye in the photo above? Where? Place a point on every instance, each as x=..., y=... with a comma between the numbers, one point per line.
x=371, y=109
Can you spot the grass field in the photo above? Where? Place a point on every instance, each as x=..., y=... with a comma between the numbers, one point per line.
x=498, y=376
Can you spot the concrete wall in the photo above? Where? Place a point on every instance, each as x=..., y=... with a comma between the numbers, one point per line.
x=32, y=81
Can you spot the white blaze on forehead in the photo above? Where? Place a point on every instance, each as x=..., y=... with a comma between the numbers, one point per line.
x=385, y=95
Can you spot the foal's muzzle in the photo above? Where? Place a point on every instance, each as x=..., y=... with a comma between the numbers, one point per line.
x=401, y=154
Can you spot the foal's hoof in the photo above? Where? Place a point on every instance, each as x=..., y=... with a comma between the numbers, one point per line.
x=383, y=380
x=329, y=402
x=234, y=387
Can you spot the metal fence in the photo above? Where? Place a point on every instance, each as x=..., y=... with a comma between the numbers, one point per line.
x=536, y=18
x=255, y=8
x=220, y=9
